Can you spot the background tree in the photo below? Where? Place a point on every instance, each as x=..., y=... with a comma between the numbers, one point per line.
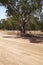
x=2, y=21
x=9, y=24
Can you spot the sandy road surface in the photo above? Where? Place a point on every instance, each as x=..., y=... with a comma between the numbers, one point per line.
x=17, y=51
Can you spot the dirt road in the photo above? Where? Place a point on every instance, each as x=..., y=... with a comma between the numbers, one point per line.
x=17, y=51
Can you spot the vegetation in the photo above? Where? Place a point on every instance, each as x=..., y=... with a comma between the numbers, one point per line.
x=11, y=24
x=22, y=11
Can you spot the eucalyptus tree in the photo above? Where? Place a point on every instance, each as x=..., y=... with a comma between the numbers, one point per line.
x=21, y=10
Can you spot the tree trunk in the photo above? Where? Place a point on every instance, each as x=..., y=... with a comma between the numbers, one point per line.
x=22, y=28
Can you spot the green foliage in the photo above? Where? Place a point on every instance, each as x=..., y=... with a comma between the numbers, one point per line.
x=9, y=24
x=34, y=24
x=21, y=8
x=30, y=26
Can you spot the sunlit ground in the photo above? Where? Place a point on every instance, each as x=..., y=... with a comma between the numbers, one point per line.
x=17, y=50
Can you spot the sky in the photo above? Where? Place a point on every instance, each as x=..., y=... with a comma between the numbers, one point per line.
x=2, y=12
x=42, y=8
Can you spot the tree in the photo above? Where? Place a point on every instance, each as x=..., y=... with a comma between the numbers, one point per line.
x=21, y=10
x=9, y=24
x=3, y=23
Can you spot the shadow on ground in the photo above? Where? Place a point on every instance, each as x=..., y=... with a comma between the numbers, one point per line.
x=32, y=38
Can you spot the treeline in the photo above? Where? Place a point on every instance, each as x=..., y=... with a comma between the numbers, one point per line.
x=34, y=24
x=9, y=24
x=12, y=24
